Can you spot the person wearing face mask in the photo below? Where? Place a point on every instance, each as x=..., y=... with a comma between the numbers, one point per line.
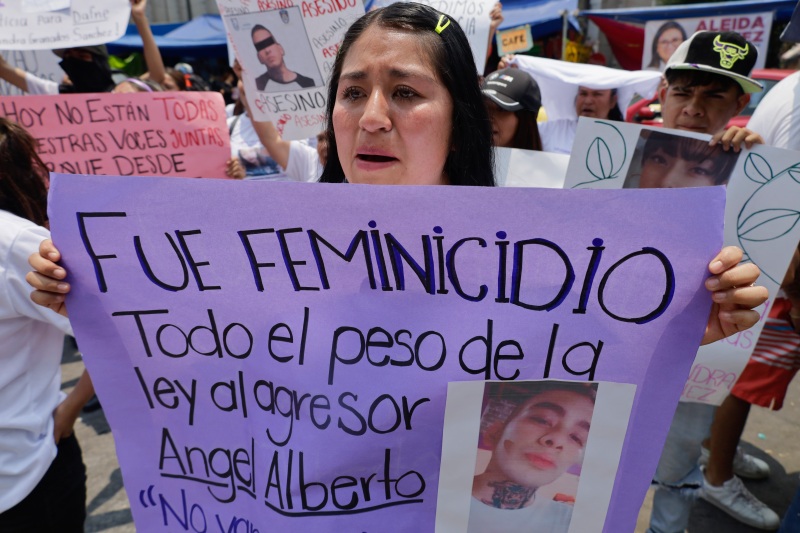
x=86, y=67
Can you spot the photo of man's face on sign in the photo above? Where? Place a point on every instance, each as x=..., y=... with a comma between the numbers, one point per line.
x=665, y=160
x=532, y=434
x=538, y=445
x=273, y=48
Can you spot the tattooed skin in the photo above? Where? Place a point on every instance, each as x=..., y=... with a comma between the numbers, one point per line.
x=509, y=495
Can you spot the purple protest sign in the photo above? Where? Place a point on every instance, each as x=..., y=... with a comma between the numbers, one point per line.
x=276, y=356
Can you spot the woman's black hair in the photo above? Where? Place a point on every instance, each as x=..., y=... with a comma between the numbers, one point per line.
x=615, y=113
x=23, y=175
x=470, y=160
x=527, y=135
x=655, y=60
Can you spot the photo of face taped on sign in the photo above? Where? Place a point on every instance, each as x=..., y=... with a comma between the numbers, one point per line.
x=665, y=160
x=517, y=456
x=274, y=50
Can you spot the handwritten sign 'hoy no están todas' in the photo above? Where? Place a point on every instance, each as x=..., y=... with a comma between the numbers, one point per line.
x=140, y=134
x=284, y=364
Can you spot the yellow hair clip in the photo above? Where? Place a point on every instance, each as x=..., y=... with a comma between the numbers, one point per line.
x=443, y=23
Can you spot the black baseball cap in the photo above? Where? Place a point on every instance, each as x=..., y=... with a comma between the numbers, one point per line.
x=725, y=53
x=512, y=89
x=100, y=50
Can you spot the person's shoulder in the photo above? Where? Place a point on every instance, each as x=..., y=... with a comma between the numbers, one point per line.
x=13, y=224
x=304, y=81
x=19, y=237
x=261, y=81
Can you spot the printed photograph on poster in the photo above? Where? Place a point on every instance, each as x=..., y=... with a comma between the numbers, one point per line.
x=279, y=56
x=662, y=37
x=668, y=160
x=41, y=63
x=666, y=40
x=51, y=24
x=529, y=443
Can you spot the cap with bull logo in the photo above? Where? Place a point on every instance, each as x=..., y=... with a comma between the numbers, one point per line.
x=724, y=53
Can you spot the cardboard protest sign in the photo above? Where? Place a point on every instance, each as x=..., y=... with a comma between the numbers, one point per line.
x=287, y=52
x=662, y=37
x=472, y=16
x=529, y=168
x=162, y=134
x=48, y=24
x=40, y=63
x=284, y=364
x=761, y=215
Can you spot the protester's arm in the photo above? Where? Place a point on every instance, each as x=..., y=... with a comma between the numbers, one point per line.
x=67, y=411
x=734, y=136
x=734, y=294
x=13, y=75
x=277, y=147
x=152, y=55
x=495, y=19
x=267, y=133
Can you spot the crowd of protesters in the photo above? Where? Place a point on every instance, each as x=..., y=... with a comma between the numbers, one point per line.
x=40, y=460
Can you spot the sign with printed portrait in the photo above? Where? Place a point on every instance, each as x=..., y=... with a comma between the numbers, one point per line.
x=287, y=51
x=662, y=37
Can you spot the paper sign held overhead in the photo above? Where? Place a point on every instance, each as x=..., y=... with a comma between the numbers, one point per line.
x=48, y=24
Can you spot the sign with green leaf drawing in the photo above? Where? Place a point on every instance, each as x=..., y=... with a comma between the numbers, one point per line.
x=762, y=215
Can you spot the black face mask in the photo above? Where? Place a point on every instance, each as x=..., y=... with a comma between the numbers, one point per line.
x=87, y=76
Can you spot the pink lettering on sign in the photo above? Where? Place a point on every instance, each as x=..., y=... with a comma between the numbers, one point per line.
x=142, y=134
x=752, y=28
x=714, y=379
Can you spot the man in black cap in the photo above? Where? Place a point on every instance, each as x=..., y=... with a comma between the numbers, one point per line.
x=86, y=67
x=707, y=84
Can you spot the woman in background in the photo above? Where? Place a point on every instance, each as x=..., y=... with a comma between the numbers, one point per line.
x=42, y=476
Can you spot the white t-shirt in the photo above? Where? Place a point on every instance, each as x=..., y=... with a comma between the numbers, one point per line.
x=558, y=135
x=542, y=516
x=31, y=342
x=303, y=164
x=38, y=85
x=777, y=115
x=252, y=155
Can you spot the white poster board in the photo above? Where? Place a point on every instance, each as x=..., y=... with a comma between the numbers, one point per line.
x=40, y=63
x=661, y=37
x=48, y=24
x=472, y=16
x=529, y=168
x=761, y=218
x=302, y=39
